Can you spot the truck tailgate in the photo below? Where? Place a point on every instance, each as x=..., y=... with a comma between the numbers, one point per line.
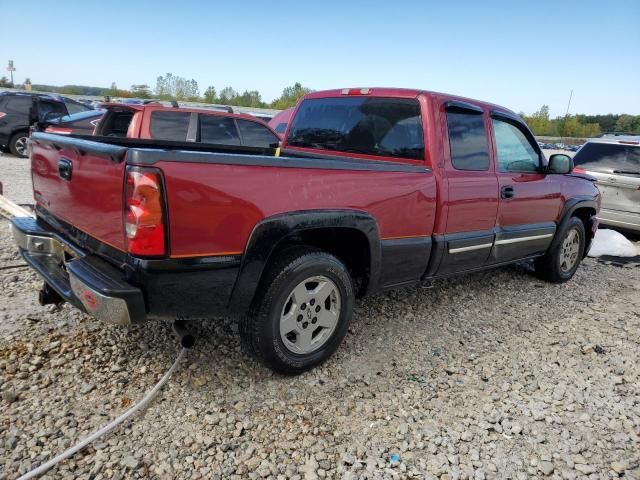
x=81, y=183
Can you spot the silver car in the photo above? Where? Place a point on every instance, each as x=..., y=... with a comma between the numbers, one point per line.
x=615, y=163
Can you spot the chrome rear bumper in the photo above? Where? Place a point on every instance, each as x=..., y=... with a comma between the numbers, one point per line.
x=85, y=281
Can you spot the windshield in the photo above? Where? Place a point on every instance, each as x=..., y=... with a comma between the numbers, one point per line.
x=386, y=127
x=609, y=157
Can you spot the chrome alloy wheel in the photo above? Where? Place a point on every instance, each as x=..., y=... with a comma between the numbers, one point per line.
x=570, y=250
x=21, y=146
x=310, y=315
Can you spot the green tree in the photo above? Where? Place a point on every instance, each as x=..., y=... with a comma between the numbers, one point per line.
x=290, y=96
x=141, y=90
x=210, y=94
x=628, y=124
x=227, y=95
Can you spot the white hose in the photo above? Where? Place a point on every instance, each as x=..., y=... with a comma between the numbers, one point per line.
x=107, y=428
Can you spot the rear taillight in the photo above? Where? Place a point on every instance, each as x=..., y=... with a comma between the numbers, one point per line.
x=144, y=213
x=579, y=170
x=2, y=114
x=59, y=130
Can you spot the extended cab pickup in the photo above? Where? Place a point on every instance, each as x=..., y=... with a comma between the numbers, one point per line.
x=371, y=189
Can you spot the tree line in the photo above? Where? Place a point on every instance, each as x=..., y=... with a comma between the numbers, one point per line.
x=583, y=126
x=175, y=87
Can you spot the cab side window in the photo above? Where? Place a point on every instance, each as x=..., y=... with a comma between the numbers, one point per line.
x=256, y=135
x=467, y=140
x=515, y=151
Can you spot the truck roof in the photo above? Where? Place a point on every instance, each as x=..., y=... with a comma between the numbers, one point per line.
x=400, y=93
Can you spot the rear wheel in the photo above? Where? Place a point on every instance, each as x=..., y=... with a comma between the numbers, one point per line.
x=566, y=251
x=18, y=144
x=303, y=314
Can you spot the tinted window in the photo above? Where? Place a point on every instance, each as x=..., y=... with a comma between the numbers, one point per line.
x=218, y=129
x=607, y=157
x=46, y=108
x=170, y=125
x=17, y=105
x=281, y=127
x=467, y=140
x=515, y=152
x=75, y=107
x=389, y=127
x=256, y=135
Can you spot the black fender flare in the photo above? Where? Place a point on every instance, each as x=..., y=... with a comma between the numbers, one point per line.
x=574, y=203
x=570, y=206
x=269, y=232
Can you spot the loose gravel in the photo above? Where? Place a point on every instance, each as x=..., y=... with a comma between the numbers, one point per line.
x=492, y=375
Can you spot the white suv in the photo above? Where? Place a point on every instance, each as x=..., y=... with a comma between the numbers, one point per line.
x=615, y=162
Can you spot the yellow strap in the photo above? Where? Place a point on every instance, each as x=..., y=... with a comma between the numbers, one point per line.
x=277, y=154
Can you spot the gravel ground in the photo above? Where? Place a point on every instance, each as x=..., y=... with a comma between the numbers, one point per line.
x=492, y=375
x=15, y=177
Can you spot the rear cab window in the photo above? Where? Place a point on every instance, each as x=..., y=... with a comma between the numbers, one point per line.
x=172, y=126
x=376, y=126
x=467, y=139
x=619, y=158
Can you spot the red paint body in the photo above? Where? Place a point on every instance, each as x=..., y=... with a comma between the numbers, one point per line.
x=213, y=208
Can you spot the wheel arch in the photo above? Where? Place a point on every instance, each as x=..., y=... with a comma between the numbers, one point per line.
x=584, y=208
x=344, y=233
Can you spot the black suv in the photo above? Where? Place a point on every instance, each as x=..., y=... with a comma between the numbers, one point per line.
x=18, y=111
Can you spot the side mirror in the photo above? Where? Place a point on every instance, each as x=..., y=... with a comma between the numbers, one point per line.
x=560, y=164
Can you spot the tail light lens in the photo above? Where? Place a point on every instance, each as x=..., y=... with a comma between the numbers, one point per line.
x=144, y=212
x=2, y=114
x=59, y=130
x=579, y=170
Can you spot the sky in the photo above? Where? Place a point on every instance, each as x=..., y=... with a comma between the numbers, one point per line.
x=517, y=54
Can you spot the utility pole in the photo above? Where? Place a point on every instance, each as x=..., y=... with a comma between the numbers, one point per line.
x=568, y=104
x=11, y=69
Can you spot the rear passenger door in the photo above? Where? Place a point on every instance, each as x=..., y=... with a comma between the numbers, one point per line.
x=530, y=199
x=472, y=204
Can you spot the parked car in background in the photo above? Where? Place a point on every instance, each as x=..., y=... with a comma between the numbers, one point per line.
x=373, y=189
x=280, y=122
x=615, y=163
x=18, y=111
x=81, y=123
x=155, y=121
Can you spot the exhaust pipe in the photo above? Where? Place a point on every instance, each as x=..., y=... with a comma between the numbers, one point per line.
x=187, y=340
x=48, y=296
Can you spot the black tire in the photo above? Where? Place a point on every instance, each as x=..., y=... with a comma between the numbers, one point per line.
x=260, y=331
x=553, y=266
x=16, y=144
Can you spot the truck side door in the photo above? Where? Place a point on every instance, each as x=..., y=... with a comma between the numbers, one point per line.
x=472, y=190
x=530, y=200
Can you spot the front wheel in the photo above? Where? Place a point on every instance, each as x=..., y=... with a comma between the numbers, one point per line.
x=560, y=263
x=301, y=317
x=18, y=144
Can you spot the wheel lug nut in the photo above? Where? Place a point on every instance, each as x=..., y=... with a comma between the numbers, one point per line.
x=300, y=317
x=303, y=306
x=313, y=301
x=315, y=319
x=305, y=324
x=317, y=308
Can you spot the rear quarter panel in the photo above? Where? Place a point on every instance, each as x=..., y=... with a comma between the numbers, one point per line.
x=213, y=208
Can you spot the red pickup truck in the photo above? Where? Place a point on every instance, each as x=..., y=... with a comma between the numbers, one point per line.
x=370, y=189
